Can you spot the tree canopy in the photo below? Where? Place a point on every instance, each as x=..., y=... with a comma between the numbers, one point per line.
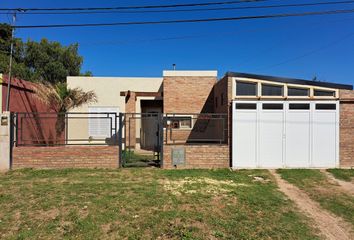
x=39, y=61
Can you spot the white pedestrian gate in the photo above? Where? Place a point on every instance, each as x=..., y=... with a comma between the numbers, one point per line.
x=285, y=134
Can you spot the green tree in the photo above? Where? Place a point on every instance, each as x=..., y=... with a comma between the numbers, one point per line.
x=39, y=61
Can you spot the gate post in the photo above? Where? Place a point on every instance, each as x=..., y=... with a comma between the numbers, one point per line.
x=120, y=140
x=5, y=141
x=161, y=135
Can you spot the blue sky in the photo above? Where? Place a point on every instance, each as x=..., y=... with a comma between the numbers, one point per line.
x=305, y=47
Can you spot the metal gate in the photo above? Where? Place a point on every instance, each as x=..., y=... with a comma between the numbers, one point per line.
x=141, y=139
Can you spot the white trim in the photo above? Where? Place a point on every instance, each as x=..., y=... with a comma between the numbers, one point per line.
x=311, y=89
x=168, y=73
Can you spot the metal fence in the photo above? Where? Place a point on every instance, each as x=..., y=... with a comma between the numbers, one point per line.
x=73, y=128
x=141, y=142
x=192, y=128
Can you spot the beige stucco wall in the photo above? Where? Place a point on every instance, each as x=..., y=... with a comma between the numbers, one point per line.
x=108, y=91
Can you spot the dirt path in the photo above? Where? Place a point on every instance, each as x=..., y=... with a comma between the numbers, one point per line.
x=346, y=186
x=331, y=227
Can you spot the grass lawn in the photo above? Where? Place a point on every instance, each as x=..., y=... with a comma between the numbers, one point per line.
x=316, y=184
x=146, y=204
x=342, y=174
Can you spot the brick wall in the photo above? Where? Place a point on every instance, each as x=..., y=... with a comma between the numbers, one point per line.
x=346, y=128
x=224, y=86
x=199, y=156
x=34, y=129
x=65, y=157
x=188, y=94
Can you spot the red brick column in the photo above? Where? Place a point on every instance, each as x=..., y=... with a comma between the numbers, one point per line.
x=346, y=128
x=130, y=101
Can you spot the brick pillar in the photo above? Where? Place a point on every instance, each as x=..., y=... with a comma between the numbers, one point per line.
x=346, y=128
x=130, y=125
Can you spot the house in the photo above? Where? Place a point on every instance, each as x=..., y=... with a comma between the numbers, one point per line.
x=240, y=121
x=189, y=119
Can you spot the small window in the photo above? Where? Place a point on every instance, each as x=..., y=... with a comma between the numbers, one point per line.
x=326, y=106
x=272, y=106
x=272, y=90
x=298, y=91
x=246, y=88
x=323, y=93
x=299, y=106
x=179, y=122
x=246, y=106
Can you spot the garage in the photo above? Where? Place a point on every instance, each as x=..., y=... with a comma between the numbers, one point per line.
x=285, y=134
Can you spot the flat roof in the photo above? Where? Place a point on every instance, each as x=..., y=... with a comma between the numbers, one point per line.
x=290, y=80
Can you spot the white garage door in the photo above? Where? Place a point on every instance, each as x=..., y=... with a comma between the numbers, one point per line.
x=285, y=134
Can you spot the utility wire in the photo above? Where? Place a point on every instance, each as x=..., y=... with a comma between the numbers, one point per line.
x=333, y=43
x=281, y=15
x=189, y=10
x=133, y=7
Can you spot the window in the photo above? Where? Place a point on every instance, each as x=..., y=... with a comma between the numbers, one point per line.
x=246, y=106
x=325, y=106
x=292, y=91
x=246, y=88
x=216, y=102
x=272, y=90
x=299, y=106
x=179, y=122
x=323, y=93
x=101, y=125
x=272, y=106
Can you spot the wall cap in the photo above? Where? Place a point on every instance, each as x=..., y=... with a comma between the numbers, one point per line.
x=169, y=73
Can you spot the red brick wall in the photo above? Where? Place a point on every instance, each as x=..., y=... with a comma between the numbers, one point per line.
x=199, y=156
x=23, y=99
x=188, y=94
x=65, y=157
x=346, y=128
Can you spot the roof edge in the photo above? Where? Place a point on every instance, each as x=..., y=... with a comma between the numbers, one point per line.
x=291, y=80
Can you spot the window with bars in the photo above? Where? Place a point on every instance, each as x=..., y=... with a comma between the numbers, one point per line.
x=102, y=121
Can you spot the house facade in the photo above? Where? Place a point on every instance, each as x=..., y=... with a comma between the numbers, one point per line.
x=240, y=121
x=191, y=119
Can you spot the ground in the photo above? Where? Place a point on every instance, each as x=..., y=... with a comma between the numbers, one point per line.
x=328, y=194
x=150, y=203
x=147, y=204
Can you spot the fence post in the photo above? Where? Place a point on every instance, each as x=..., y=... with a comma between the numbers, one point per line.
x=5, y=141
x=120, y=141
x=16, y=129
x=161, y=135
